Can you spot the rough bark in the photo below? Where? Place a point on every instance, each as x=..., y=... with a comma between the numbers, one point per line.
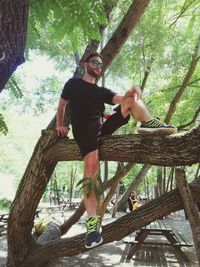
x=190, y=208
x=13, y=31
x=175, y=150
x=114, y=231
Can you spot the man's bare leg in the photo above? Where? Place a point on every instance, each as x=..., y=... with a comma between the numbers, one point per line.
x=136, y=107
x=91, y=169
x=93, y=225
x=150, y=125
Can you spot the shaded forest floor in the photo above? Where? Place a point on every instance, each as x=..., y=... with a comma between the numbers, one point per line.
x=113, y=254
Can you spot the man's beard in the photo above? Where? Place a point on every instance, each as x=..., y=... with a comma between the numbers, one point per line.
x=92, y=73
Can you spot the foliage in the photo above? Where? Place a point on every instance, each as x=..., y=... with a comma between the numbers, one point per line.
x=40, y=226
x=159, y=50
x=3, y=126
x=4, y=203
x=17, y=147
x=14, y=88
x=162, y=43
x=63, y=26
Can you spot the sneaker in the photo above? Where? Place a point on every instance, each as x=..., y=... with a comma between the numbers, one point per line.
x=155, y=126
x=93, y=237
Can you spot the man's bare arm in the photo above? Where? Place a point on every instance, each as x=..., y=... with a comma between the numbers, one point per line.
x=61, y=130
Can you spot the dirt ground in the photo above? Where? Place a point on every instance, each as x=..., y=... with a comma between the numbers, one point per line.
x=114, y=254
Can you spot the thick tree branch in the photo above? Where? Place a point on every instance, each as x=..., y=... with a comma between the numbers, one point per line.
x=180, y=149
x=116, y=230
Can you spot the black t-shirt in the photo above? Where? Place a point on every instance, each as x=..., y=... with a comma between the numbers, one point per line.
x=86, y=100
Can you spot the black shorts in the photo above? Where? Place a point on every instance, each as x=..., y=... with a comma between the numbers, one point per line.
x=87, y=135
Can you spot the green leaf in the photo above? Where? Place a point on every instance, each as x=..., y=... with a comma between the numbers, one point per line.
x=13, y=87
x=83, y=181
x=96, y=191
x=3, y=126
x=88, y=189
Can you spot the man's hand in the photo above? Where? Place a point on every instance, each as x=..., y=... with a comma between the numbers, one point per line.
x=135, y=92
x=62, y=131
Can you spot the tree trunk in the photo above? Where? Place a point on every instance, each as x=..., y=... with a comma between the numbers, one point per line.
x=197, y=172
x=190, y=208
x=13, y=31
x=56, y=191
x=159, y=180
x=170, y=178
x=106, y=169
x=116, y=201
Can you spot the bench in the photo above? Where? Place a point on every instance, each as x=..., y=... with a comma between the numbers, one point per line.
x=181, y=240
x=49, y=209
x=3, y=223
x=158, y=228
x=72, y=205
x=3, y=229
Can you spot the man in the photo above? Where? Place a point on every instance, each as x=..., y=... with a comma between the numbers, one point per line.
x=86, y=100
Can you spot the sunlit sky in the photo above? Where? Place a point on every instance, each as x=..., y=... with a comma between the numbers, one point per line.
x=39, y=67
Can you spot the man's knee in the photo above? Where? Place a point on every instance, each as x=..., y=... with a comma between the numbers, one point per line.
x=126, y=106
x=91, y=163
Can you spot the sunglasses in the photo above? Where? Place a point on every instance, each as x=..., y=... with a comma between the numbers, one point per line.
x=97, y=63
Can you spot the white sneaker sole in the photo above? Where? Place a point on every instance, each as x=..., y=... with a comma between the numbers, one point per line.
x=156, y=131
x=94, y=244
